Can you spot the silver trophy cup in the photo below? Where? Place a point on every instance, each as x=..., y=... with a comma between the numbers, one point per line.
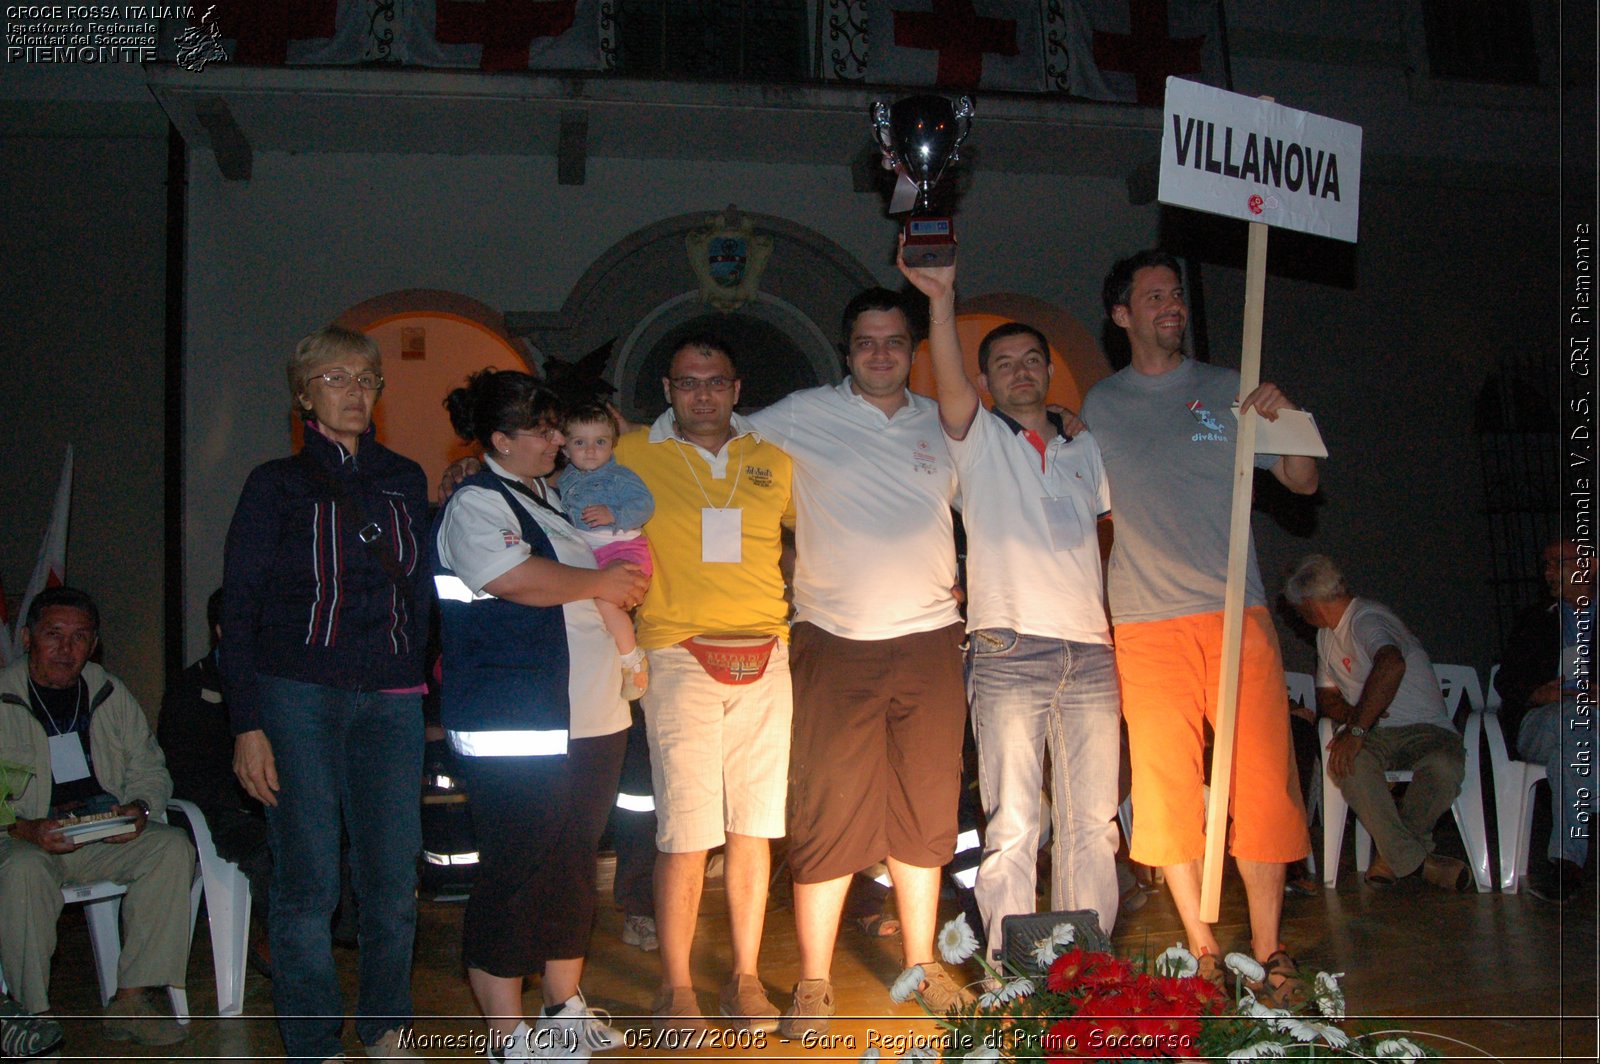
x=920, y=136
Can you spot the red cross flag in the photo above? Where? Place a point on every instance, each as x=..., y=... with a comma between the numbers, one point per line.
x=956, y=44
x=50, y=569
x=505, y=34
x=1124, y=50
x=476, y=34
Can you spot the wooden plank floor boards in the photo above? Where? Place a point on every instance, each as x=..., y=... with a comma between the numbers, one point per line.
x=1484, y=976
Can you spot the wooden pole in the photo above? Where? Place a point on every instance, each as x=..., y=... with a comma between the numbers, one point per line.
x=1244, y=465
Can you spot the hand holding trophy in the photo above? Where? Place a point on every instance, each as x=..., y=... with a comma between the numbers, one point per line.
x=920, y=136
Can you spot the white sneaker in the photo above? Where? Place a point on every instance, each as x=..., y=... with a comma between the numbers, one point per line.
x=391, y=1047
x=640, y=931
x=574, y=1033
x=513, y=1046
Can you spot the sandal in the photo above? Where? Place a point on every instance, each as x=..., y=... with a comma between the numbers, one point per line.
x=878, y=925
x=1211, y=970
x=1283, y=987
x=635, y=674
x=1379, y=874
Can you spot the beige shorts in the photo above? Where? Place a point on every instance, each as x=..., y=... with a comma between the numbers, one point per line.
x=719, y=753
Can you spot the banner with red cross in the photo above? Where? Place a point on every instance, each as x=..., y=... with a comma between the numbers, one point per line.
x=1124, y=50
x=472, y=34
x=957, y=44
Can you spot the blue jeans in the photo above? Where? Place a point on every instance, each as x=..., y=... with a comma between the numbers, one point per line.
x=1030, y=694
x=353, y=757
x=1550, y=738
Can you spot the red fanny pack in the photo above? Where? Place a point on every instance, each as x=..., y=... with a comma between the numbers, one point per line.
x=732, y=659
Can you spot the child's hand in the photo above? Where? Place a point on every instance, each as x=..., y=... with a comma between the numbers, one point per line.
x=598, y=515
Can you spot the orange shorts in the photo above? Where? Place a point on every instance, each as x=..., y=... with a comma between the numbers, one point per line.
x=1169, y=688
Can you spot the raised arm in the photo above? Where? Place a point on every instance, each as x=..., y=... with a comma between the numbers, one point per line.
x=958, y=399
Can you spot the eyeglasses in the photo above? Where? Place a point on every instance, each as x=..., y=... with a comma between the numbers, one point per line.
x=338, y=379
x=690, y=384
x=545, y=434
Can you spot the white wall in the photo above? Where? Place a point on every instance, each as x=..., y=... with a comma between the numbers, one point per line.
x=312, y=235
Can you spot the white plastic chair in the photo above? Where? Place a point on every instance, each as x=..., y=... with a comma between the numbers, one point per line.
x=1303, y=691
x=1513, y=802
x=1455, y=681
x=102, y=911
x=227, y=894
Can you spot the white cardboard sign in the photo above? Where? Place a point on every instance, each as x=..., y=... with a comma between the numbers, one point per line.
x=1245, y=158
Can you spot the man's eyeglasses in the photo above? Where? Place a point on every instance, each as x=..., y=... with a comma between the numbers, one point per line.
x=339, y=379
x=690, y=384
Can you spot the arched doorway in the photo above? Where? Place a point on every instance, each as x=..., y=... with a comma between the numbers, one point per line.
x=430, y=341
x=1079, y=362
x=640, y=298
x=779, y=350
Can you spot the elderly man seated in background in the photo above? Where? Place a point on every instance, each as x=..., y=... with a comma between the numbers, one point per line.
x=1544, y=685
x=1375, y=681
x=90, y=748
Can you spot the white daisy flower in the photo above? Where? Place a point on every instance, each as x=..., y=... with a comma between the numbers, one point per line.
x=956, y=940
x=1045, y=953
x=1330, y=997
x=990, y=999
x=1175, y=961
x=1257, y=1051
x=1398, y=1049
x=909, y=982
x=1242, y=964
x=1310, y=1031
x=1249, y=1006
x=1063, y=934
x=1016, y=990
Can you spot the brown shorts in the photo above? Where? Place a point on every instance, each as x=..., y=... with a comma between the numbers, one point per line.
x=875, y=764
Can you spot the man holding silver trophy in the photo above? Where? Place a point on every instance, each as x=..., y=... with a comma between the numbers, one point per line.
x=1041, y=671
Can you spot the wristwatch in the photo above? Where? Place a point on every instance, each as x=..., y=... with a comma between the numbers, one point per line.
x=1355, y=729
x=142, y=804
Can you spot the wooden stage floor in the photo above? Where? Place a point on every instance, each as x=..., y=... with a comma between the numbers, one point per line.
x=1481, y=976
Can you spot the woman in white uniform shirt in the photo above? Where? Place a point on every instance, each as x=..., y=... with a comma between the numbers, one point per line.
x=532, y=707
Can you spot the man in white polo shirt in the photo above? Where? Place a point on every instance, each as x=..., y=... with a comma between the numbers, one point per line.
x=1042, y=673
x=875, y=760
x=1375, y=681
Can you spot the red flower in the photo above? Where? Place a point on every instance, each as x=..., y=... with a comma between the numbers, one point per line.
x=1111, y=972
x=1066, y=1039
x=1066, y=971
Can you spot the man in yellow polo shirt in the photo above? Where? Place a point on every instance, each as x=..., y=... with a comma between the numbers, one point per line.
x=718, y=709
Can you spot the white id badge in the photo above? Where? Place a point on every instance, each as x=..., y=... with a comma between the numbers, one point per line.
x=721, y=534
x=1067, y=531
x=67, y=762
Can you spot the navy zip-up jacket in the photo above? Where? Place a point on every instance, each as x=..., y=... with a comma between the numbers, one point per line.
x=303, y=597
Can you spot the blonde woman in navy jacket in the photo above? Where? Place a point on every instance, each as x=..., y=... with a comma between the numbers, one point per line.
x=324, y=620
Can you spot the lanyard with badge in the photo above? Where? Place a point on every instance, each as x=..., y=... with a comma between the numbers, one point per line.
x=68, y=762
x=721, y=527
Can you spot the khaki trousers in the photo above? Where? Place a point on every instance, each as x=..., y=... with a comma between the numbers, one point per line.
x=158, y=868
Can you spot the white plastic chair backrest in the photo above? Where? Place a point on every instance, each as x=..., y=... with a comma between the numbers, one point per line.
x=1302, y=688
x=1455, y=681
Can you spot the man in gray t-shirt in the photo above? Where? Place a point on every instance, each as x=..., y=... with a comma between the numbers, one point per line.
x=1376, y=682
x=1166, y=433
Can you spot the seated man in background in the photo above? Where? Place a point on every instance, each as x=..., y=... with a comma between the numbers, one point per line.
x=1375, y=681
x=197, y=739
x=1544, y=675
x=90, y=748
